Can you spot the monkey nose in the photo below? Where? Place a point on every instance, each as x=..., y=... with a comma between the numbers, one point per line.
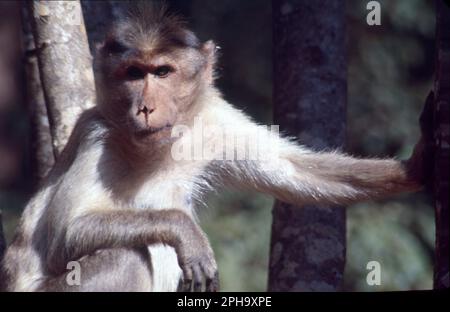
x=144, y=109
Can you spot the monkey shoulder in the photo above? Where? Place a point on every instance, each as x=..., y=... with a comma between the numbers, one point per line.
x=73, y=172
x=90, y=130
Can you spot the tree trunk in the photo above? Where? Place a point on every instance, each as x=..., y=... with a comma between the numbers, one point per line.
x=442, y=147
x=43, y=157
x=308, y=243
x=65, y=65
x=2, y=238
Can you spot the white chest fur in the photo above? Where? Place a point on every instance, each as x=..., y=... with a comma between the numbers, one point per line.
x=166, y=272
x=168, y=190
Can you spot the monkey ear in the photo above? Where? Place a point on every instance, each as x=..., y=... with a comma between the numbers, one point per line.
x=209, y=49
x=99, y=46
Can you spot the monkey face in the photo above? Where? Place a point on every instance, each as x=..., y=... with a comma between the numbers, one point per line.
x=147, y=83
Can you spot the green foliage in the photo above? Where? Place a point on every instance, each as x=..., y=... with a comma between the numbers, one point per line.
x=397, y=234
x=238, y=225
x=390, y=75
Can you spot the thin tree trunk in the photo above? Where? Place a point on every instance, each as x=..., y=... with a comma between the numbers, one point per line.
x=65, y=65
x=2, y=238
x=43, y=157
x=442, y=147
x=308, y=243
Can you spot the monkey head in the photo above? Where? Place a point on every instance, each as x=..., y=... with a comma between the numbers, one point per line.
x=149, y=72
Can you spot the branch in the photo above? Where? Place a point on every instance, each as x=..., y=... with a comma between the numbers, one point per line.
x=442, y=147
x=41, y=139
x=2, y=238
x=65, y=65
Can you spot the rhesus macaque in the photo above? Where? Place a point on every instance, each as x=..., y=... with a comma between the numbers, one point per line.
x=121, y=204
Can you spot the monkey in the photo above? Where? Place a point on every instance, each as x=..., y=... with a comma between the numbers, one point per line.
x=121, y=204
x=109, y=235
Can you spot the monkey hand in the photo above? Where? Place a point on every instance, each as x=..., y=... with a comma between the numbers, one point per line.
x=421, y=164
x=196, y=259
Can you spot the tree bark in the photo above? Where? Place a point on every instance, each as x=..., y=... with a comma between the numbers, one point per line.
x=2, y=238
x=442, y=144
x=65, y=65
x=43, y=157
x=308, y=243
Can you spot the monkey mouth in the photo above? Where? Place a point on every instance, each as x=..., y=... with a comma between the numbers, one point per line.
x=152, y=130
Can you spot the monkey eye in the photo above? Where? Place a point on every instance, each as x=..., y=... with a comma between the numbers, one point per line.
x=135, y=73
x=163, y=71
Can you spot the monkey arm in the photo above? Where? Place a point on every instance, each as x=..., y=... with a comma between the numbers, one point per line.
x=297, y=175
x=125, y=229
x=307, y=177
x=137, y=228
x=341, y=179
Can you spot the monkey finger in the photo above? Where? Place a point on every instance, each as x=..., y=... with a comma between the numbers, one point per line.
x=212, y=284
x=187, y=286
x=198, y=278
x=209, y=270
x=187, y=278
x=211, y=276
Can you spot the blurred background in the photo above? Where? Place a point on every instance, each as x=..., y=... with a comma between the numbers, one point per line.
x=390, y=72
